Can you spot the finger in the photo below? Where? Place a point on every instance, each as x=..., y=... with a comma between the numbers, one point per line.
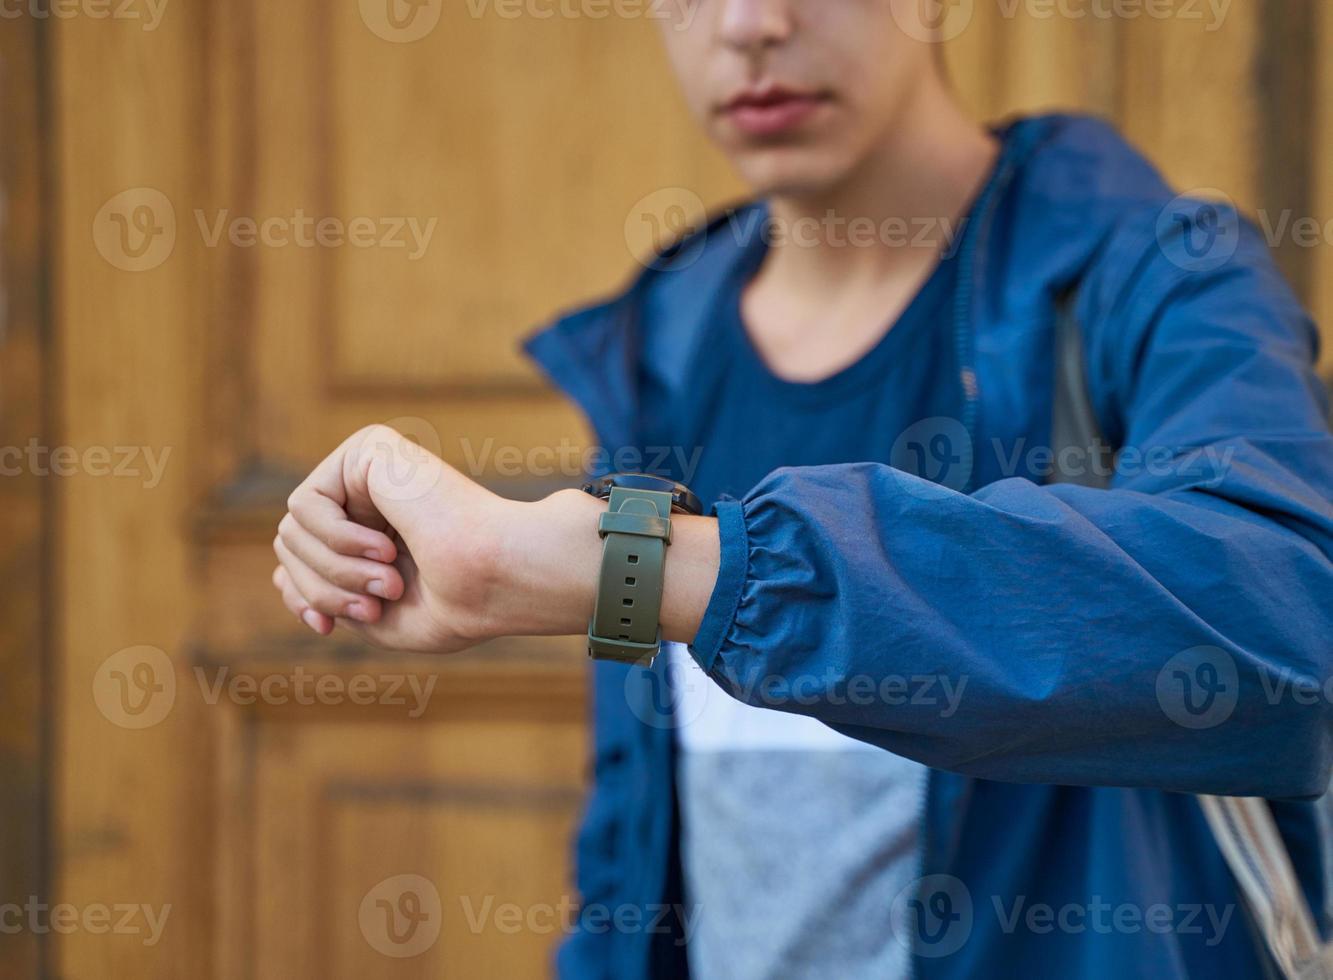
x=338, y=478
x=354, y=574
x=324, y=517
x=297, y=605
x=323, y=596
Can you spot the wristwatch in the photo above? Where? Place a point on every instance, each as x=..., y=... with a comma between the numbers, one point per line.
x=636, y=530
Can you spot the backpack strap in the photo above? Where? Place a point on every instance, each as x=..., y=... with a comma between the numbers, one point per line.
x=1249, y=839
x=1073, y=422
x=1243, y=827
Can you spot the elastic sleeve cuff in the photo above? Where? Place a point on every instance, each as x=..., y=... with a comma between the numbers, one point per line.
x=721, y=611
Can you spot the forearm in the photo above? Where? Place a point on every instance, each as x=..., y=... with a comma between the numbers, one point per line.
x=548, y=555
x=1033, y=634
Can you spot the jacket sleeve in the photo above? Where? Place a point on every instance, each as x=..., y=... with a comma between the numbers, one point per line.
x=1173, y=631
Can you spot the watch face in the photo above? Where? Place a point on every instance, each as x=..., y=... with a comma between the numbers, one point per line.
x=682, y=499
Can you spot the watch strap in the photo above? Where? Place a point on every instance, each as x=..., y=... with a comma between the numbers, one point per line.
x=635, y=531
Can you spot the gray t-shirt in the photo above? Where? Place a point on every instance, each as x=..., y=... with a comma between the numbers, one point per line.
x=795, y=840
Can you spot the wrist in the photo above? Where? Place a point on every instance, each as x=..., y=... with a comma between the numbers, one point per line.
x=692, y=565
x=544, y=566
x=548, y=556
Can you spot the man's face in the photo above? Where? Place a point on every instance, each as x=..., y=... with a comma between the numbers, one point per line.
x=798, y=93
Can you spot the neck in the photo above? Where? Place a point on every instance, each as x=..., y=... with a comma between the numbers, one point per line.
x=912, y=190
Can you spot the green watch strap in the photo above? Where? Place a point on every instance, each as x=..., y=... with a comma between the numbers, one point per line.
x=636, y=530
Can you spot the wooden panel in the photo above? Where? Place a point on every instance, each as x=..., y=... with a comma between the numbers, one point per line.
x=1320, y=130
x=1018, y=58
x=1223, y=100
x=478, y=847
x=132, y=819
x=464, y=770
x=1187, y=96
x=456, y=129
x=471, y=812
x=1285, y=88
x=1181, y=87
x=459, y=129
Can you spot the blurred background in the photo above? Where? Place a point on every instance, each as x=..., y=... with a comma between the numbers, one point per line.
x=233, y=232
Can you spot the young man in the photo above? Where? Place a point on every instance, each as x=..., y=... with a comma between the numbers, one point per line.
x=966, y=705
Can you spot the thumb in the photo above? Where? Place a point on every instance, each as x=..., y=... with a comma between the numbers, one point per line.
x=402, y=481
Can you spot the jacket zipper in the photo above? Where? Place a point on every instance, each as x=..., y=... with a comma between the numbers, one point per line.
x=973, y=232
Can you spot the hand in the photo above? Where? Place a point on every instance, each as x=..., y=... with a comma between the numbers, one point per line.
x=387, y=540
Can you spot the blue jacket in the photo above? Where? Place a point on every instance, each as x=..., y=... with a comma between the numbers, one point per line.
x=1078, y=617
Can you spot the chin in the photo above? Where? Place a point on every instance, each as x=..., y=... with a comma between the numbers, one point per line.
x=789, y=171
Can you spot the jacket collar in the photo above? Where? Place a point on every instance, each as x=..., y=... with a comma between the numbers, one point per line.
x=1052, y=204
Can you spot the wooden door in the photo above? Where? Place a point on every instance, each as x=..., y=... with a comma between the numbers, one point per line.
x=180, y=328
x=281, y=222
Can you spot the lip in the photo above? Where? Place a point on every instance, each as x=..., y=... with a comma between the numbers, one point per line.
x=772, y=110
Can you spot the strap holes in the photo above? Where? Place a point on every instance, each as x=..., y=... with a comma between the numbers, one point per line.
x=624, y=621
x=630, y=580
x=633, y=559
x=628, y=602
